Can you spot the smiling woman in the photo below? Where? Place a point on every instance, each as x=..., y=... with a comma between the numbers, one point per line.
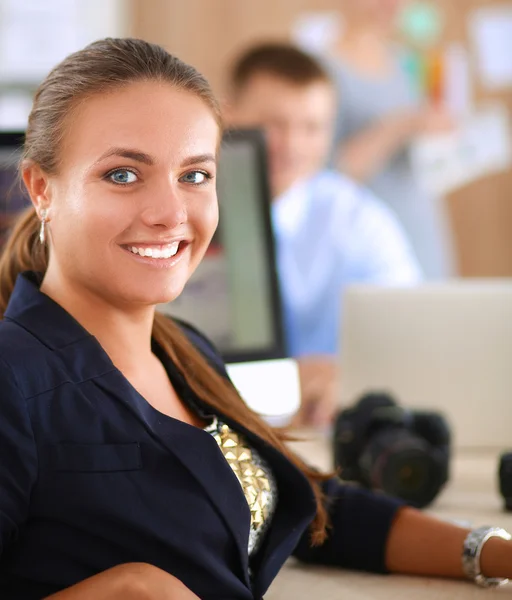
x=119, y=185
x=130, y=466
x=120, y=164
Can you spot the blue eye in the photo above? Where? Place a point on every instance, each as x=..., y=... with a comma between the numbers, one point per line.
x=122, y=176
x=196, y=177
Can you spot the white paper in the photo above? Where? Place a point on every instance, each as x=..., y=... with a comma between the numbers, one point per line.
x=15, y=108
x=37, y=34
x=317, y=31
x=481, y=146
x=491, y=33
x=457, y=85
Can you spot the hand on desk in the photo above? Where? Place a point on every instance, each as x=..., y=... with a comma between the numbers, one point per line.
x=318, y=391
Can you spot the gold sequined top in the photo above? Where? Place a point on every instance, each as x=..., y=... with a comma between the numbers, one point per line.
x=255, y=477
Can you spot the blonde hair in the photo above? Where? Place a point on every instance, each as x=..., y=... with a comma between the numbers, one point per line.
x=98, y=68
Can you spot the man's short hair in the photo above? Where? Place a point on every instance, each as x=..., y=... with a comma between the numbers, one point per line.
x=282, y=60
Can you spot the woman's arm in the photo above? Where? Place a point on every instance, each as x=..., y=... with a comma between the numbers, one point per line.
x=367, y=152
x=419, y=544
x=380, y=534
x=134, y=581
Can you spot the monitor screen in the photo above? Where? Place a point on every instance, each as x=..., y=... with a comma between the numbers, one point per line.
x=12, y=195
x=233, y=295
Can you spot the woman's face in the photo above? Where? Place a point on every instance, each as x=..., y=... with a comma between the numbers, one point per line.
x=134, y=206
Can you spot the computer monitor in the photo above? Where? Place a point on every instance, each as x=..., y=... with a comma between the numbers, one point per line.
x=233, y=295
x=12, y=196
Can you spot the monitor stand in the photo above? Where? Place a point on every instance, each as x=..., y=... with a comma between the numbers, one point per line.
x=269, y=387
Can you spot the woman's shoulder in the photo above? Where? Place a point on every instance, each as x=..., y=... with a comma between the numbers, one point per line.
x=202, y=343
x=20, y=354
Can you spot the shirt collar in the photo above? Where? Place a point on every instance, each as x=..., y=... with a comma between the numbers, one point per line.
x=56, y=329
x=40, y=315
x=289, y=209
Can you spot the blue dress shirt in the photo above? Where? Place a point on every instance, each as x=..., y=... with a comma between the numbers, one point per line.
x=330, y=232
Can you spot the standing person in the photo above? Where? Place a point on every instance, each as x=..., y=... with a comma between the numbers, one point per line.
x=130, y=467
x=330, y=232
x=378, y=116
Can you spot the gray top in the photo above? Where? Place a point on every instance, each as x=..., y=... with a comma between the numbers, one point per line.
x=362, y=101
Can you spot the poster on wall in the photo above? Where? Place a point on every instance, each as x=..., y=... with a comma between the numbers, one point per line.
x=447, y=162
x=317, y=31
x=490, y=30
x=37, y=34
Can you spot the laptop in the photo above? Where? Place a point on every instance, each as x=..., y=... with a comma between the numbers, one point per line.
x=441, y=346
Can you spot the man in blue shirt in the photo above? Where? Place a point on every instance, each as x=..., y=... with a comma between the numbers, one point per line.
x=329, y=231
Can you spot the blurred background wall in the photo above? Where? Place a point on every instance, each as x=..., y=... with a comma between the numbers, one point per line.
x=209, y=34
x=34, y=35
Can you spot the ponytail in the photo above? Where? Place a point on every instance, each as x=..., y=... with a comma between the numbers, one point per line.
x=22, y=252
x=219, y=393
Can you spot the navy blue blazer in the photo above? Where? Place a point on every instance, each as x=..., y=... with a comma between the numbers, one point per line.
x=92, y=476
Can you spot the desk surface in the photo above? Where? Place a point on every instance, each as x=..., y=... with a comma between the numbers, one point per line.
x=471, y=495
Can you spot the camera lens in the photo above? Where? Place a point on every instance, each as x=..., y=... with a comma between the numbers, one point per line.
x=505, y=479
x=403, y=466
x=412, y=475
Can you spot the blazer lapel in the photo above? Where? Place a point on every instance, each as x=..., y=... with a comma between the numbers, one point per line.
x=295, y=510
x=198, y=452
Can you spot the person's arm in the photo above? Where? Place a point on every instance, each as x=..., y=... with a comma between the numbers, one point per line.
x=365, y=153
x=419, y=544
x=134, y=581
x=318, y=390
x=377, y=533
x=360, y=524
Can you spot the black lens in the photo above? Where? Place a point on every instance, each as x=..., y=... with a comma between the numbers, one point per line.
x=404, y=466
x=505, y=479
x=413, y=475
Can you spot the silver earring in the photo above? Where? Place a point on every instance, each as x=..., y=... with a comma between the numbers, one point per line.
x=42, y=230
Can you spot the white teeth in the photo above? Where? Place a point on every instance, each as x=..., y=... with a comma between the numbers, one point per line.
x=166, y=252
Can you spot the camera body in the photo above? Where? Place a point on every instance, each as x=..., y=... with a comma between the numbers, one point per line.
x=385, y=447
x=505, y=479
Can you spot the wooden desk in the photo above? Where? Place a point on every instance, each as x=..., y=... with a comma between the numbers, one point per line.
x=471, y=495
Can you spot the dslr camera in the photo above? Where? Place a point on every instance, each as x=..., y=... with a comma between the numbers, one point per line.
x=505, y=479
x=399, y=452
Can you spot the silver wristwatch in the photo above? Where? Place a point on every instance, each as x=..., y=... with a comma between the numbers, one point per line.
x=473, y=545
